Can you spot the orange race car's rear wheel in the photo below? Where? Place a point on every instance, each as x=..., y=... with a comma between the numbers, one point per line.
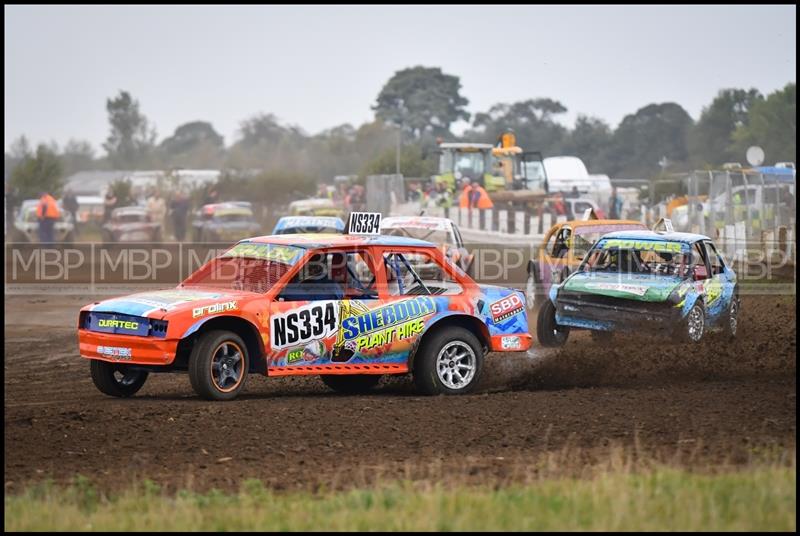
x=448, y=362
x=115, y=379
x=218, y=365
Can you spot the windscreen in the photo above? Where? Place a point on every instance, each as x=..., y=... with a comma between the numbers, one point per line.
x=585, y=236
x=430, y=235
x=648, y=257
x=247, y=266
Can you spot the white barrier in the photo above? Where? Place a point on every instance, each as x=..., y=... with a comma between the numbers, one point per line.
x=502, y=221
x=519, y=223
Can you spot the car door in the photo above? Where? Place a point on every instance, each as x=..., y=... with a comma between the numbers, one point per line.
x=719, y=287
x=307, y=314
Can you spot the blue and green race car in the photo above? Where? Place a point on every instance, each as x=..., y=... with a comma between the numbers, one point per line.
x=644, y=281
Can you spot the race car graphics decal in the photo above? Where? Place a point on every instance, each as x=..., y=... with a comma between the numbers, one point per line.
x=214, y=308
x=638, y=290
x=144, y=303
x=316, y=320
x=266, y=252
x=506, y=307
x=115, y=351
x=644, y=245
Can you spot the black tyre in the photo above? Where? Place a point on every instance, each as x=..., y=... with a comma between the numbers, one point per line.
x=731, y=325
x=114, y=379
x=549, y=333
x=449, y=361
x=602, y=337
x=351, y=384
x=694, y=325
x=218, y=365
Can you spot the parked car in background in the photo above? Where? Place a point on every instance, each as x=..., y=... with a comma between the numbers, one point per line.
x=308, y=224
x=321, y=206
x=225, y=222
x=131, y=224
x=26, y=224
x=441, y=231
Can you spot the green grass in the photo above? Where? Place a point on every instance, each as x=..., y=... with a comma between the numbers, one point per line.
x=662, y=499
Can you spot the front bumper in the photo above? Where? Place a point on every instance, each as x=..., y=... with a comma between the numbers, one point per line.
x=589, y=311
x=128, y=349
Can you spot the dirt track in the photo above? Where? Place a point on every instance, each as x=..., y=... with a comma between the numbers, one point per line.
x=717, y=403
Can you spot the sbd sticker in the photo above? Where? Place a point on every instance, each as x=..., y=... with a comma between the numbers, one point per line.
x=506, y=307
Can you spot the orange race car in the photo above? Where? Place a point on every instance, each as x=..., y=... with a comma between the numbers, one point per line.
x=349, y=308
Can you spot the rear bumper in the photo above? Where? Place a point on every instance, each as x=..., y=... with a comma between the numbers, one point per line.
x=126, y=348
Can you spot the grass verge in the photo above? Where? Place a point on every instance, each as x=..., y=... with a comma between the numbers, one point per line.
x=752, y=499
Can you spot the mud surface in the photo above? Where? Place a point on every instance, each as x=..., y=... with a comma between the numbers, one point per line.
x=714, y=404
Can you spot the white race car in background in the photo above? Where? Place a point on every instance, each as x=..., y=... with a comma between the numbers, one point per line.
x=441, y=231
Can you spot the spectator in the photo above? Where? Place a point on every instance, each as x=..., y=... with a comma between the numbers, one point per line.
x=444, y=198
x=212, y=196
x=466, y=195
x=574, y=193
x=479, y=198
x=180, y=210
x=70, y=204
x=47, y=213
x=109, y=204
x=614, y=205
x=157, y=208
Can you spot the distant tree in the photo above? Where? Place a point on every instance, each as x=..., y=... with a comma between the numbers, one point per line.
x=78, y=155
x=194, y=144
x=189, y=135
x=18, y=150
x=643, y=138
x=131, y=139
x=266, y=129
x=710, y=140
x=422, y=99
x=268, y=188
x=772, y=124
x=122, y=190
x=533, y=122
x=590, y=140
x=37, y=173
x=413, y=163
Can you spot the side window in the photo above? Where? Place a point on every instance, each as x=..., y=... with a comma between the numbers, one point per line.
x=417, y=273
x=699, y=262
x=457, y=235
x=561, y=245
x=320, y=278
x=715, y=259
x=359, y=279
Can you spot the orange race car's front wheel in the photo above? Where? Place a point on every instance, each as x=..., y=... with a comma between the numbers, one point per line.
x=114, y=379
x=218, y=365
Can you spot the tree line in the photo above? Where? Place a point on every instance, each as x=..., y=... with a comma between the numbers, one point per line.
x=420, y=105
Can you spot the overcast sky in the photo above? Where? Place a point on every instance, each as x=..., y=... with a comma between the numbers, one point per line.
x=321, y=66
